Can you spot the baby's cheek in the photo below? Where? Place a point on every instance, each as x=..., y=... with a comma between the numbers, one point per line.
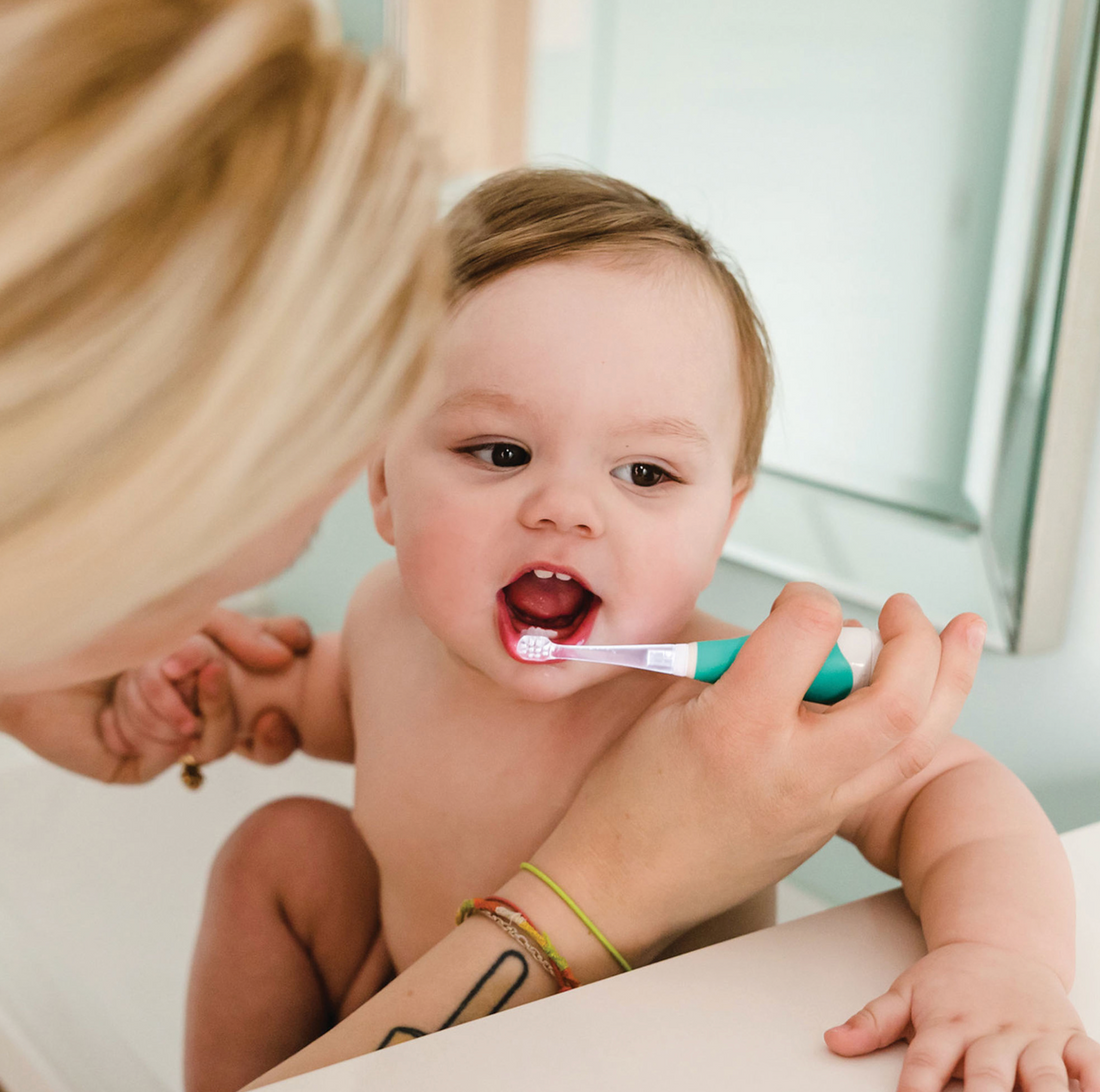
x=438, y=563
x=660, y=603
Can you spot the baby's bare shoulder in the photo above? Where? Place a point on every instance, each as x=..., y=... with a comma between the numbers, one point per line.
x=378, y=609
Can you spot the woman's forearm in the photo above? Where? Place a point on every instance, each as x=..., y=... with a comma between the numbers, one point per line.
x=62, y=727
x=981, y=862
x=476, y=970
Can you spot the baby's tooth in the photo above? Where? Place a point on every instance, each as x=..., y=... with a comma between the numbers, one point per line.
x=543, y=574
x=563, y=576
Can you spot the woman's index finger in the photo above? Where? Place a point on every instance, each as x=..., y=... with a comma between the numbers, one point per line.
x=864, y=758
x=783, y=655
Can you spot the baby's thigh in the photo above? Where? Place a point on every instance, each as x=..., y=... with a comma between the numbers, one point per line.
x=303, y=862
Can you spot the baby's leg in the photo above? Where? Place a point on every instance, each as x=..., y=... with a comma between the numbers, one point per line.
x=290, y=930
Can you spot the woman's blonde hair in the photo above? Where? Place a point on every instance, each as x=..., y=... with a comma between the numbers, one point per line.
x=218, y=271
x=531, y=215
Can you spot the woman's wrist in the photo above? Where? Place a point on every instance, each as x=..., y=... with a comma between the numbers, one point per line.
x=626, y=937
x=587, y=958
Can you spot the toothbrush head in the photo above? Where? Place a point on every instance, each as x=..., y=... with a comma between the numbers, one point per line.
x=535, y=649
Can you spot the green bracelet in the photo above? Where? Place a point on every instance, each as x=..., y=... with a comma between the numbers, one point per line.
x=590, y=925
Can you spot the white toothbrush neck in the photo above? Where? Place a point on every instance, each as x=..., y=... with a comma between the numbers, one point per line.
x=665, y=659
x=684, y=659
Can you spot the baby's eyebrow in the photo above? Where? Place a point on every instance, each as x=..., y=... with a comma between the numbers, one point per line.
x=479, y=398
x=494, y=398
x=679, y=427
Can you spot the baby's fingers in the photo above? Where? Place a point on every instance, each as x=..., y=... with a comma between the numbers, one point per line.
x=878, y=1024
x=991, y=1062
x=218, y=714
x=1041, y=1068
x=166, y=702
x=931, y=1059
x=140, y=720
x=1082, y=1060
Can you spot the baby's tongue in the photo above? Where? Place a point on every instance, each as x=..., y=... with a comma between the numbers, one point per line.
x=545, y=600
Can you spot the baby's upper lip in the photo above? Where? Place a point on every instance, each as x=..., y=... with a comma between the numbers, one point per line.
x=552, y=567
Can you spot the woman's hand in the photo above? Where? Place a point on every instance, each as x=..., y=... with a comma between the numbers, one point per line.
x=709, y=798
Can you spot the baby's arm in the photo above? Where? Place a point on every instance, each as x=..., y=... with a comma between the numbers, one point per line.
x=312, y=692
x=268, y=714
x=984, y=870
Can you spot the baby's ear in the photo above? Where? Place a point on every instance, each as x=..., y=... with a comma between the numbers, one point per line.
x=380, y=494
x=741, y=489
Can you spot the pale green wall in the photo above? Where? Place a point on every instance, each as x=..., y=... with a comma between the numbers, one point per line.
x=363, y=22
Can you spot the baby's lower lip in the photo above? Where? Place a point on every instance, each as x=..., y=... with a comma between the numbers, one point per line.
x=511, y=631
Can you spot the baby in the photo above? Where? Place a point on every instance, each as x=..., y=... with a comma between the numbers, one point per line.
x=573, y=464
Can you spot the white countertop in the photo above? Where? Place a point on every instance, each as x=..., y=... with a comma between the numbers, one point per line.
x=100, y=896
x=746, y=1014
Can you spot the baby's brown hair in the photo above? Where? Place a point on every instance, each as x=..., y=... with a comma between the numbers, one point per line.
x=531, y=215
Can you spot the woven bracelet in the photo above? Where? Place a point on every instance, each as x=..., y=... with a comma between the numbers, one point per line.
x=516, y=924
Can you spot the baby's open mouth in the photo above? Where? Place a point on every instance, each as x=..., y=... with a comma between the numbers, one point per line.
x=552, y=601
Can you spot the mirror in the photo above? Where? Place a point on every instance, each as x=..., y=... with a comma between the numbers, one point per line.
x=902, y=186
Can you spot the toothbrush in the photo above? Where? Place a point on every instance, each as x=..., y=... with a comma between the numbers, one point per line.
x=850, y=664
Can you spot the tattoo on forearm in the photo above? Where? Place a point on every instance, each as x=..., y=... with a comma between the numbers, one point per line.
x=492, y=991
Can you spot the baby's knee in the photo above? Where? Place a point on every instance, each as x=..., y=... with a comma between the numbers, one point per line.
x=277, y=843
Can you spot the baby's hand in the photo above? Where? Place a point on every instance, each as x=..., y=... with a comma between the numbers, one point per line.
x=167, y=708
x=988, y=1015
x=183, y=704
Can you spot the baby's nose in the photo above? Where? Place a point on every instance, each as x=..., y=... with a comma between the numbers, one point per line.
x=561, y=507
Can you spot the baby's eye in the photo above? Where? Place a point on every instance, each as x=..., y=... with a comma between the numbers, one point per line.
x=502, y=454
x=642, y=474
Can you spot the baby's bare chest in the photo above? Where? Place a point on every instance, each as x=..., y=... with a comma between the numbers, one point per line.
x=450, y=802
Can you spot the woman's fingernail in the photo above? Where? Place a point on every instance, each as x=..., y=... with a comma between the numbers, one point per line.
x=976, y=635
x=171, y=667
x=272, y=643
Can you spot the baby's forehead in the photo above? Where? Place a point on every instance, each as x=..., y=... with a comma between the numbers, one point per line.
x=609, y=337
x=637, y=292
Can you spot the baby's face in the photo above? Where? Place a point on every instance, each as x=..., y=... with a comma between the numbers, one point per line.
x=568, y=466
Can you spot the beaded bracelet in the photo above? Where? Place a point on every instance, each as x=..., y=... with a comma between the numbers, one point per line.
x=516, y=924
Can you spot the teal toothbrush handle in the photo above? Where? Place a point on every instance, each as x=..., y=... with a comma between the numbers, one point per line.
x=834, y=682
